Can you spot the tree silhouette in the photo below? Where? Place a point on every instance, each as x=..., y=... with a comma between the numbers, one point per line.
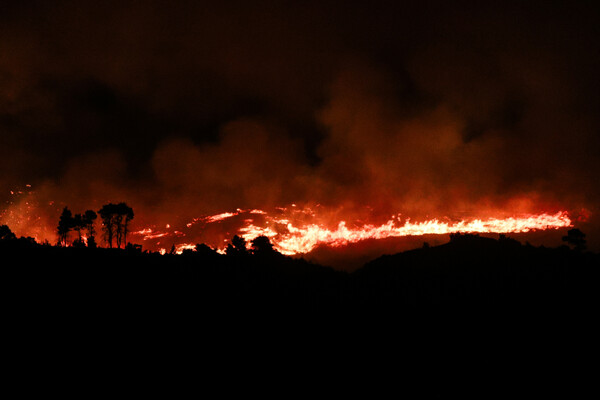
x=262, y=246
x=124, y=216
x=237, y=247
x=78, y=225
x=65, y=224
x=6, y=233
x=107, y=214
x=91, y=242
x=205, y=250
x=576, y=239
x=88, y=219
x=115, y=222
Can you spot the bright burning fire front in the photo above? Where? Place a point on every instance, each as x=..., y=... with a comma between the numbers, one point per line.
x=291, y=233
x=292, y=230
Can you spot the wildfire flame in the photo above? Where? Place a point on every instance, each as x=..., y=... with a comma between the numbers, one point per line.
x=292, y=230
x=305, y=239
x=298, y=238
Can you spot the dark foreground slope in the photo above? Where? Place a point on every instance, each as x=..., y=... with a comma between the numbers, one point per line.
x=468, y=274
x=131, y=284
x=113, y=314
x=483, y=274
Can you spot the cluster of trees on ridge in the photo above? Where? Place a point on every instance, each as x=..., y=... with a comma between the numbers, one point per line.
x=115, y=224
x=115, y=219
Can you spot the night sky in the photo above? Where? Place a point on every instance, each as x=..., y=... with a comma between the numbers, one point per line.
x=187, y=108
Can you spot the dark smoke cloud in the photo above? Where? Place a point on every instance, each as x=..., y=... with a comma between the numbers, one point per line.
x=192, y=108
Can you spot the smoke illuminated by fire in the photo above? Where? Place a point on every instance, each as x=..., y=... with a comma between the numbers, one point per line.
x=463, y=119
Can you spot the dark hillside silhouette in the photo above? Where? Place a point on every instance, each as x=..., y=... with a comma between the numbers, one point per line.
x=484, y=274
x=469, y=272
x=6, y=233
x=429, y=301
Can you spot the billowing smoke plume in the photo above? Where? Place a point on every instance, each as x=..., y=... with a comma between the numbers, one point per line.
x=191, y=110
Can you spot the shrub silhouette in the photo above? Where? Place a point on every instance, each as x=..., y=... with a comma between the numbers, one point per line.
x=204, y=250
x=576, y=239
x=262, y=246
x=237, y=247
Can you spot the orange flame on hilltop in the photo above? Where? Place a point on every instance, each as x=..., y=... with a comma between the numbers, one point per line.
x=292, y=230
x=305, y=239
x=291, y=234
